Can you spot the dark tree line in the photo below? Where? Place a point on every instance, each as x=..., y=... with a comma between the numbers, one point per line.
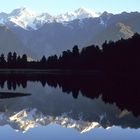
x=13, y=61
x=120, y=57
x=88, y=58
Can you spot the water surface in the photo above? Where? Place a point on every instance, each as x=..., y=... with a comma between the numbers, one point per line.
x=68, y=108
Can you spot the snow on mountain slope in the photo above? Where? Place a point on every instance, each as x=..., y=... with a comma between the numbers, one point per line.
x=41, y=19
x=30, y=118
x=19, y=17
x=80, y=13
x=29, y=20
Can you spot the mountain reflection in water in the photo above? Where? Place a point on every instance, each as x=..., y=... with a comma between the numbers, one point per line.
x=78, y=102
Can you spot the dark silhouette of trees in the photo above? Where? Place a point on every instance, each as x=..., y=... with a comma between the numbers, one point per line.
x=14, y=57
x=2, y=59
x=15, y=61
x=119, y=63
x=9, y=57
x=75, y=51
x=24, y=59
x=52, y=62
x=112, y=58
x=18, y=59
x=43, y=60
x=122, y=57
x=91, y=57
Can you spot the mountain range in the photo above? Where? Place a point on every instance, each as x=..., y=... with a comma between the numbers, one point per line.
x=29, y=20
x=44, y=34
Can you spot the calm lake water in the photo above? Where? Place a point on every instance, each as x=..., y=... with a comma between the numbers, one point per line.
x=66, y=108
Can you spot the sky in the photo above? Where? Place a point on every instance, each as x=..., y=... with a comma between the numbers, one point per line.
x=55, y=7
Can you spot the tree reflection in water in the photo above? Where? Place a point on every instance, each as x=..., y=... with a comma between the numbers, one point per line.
x=124, y=92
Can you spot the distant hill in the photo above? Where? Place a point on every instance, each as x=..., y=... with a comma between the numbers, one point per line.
x=9, y=42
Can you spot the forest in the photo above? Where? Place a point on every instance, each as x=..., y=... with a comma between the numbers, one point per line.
x=113, y=57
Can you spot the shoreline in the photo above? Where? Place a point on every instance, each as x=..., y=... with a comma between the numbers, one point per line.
x=50, y=71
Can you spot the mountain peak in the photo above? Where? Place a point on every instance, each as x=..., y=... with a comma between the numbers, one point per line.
x=27, y=19
x=106, y=14
x=80, y=13
x=88, y=12
x=22, y=11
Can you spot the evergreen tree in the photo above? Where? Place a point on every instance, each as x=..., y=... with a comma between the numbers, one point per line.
x=75, y=50
x=43, y=60
x=14, y=57
x=9, y=57
x=18, y=59
x=24, y=58
x=2, y=59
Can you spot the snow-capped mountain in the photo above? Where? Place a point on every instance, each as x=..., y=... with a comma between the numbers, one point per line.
x=30, y=118
x=21, y=17
x=29, y=20
x=40, y=20
x=47, y=35
x=80, y=13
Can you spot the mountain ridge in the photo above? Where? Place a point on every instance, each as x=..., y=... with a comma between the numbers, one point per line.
x=29, y=20
x=47, y=35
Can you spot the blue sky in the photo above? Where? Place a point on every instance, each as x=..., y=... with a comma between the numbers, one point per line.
x=55, y=7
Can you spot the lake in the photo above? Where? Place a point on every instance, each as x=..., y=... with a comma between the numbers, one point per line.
x=68, y=107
